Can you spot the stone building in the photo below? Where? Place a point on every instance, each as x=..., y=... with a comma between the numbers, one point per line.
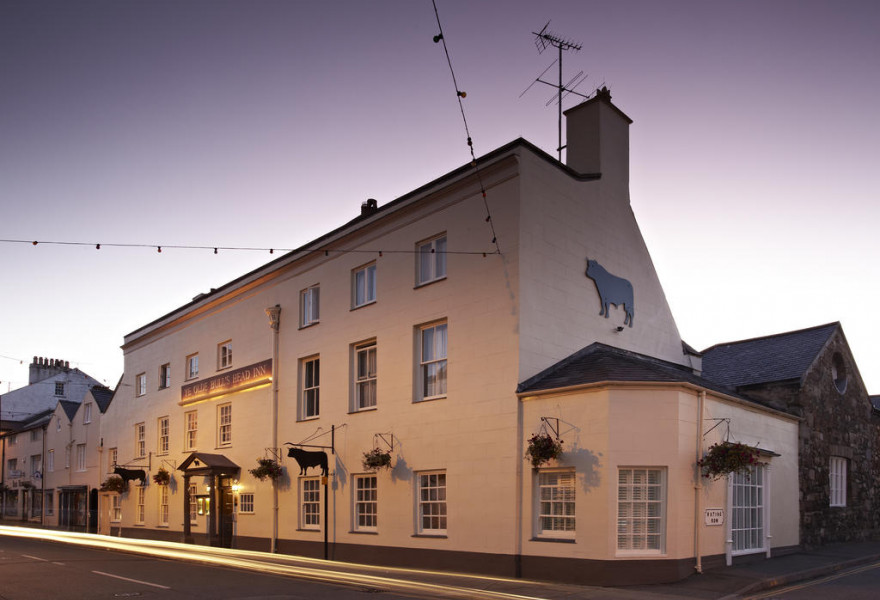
x=811, y=373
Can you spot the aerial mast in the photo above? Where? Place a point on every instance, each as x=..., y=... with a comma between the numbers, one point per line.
x=543, y=40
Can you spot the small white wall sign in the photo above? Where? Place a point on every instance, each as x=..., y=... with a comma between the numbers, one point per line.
x=714, y=516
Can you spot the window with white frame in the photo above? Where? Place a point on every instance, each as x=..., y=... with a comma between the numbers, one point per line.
x=432, y=361
x=193, y=504
x=67, y=457
x=432, y=503
x=80, y=457
x=641, y=510
x=140, y=384
x=87, y=412
x=163, y=505
x=555, y=506
x=37, y=464
x=57, y=423
x=837, y=476
x=140, y=440
x=311, y=387
x=309, y=310
x=366, y=503
x=224, y=355
x=192, y=366
x=162, y=428
x=365, y=376
x=112, y=456
x=363, y=285
x=246, y=502
x=49, y=502
x=165, y=376
x=12, y=440
x=115, y=508
x=748, y=510
x=432, y=260
x=59, y=388
x=50, y=461
x=140, y=512
x=310, y=503
x=224, y=425
x=36, y=435
x=191, y=420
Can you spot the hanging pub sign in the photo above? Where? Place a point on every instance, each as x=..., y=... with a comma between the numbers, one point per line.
x=238, y=380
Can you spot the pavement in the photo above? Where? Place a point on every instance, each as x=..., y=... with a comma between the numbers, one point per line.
x=722, y=583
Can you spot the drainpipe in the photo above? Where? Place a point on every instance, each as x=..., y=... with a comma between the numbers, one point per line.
x=698, y=483
x=518, y=509
x=43, y=478
x=274, y=314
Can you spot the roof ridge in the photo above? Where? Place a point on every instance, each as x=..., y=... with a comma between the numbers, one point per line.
x=770, y=336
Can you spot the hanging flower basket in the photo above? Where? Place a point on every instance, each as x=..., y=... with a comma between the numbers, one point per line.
x=162, y=477
x=377, y=459
x=27, y=485
x=543, y=448
x=728, y=457
x=266, y=467
x=114, y=483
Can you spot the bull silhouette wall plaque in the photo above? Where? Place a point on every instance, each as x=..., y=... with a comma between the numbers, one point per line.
x=612, y=290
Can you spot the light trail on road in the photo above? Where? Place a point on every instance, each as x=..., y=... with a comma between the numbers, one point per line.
x=283, y=565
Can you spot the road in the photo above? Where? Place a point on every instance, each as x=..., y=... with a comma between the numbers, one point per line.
x=859, y=583
x=35, y=570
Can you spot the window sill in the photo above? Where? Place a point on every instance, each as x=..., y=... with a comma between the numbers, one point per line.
x=365, y=304
x=427, y=283
x=553, y=540
x=441, y=536
x=354, y=531
x=429, y=399
x=307, y=325
x=309, y=530
x=226, y=368
x=363, y=410
x=315, y=418
x=245, y=514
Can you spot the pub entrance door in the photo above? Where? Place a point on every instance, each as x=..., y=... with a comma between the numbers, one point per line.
x=225, y=513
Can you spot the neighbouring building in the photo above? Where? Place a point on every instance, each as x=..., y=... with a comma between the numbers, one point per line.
x=51, y=448
x=446, y=328
x=812, y=374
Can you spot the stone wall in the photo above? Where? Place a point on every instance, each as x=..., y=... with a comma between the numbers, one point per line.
x=834, y=423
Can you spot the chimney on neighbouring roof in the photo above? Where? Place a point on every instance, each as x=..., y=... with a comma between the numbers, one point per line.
x=369, y=207
x=43, y=368
x=597, y=139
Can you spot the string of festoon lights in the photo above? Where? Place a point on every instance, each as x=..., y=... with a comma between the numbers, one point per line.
x=216, y=249
x=461, y=95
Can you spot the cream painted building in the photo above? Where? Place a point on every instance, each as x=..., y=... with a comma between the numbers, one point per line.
x=432, y=328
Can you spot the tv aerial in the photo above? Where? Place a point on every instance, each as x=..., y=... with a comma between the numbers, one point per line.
x=547, y=39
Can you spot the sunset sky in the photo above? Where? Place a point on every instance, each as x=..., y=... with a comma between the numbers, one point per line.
x=754, y=149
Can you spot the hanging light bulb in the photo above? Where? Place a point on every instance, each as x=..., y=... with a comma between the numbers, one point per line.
x=97, y=246
x=159, y=249
x=438, y=37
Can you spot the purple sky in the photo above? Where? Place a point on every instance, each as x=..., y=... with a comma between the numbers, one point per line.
x=265, y=124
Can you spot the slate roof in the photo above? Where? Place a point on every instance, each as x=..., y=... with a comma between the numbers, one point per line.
x=875, y=401
x=103, y=396
x=70, y=408
x=774, y=358
x=598, y=363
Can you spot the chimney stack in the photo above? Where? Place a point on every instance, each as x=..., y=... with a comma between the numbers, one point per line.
x=597, y=140
x=369, y=207
x=43, y=368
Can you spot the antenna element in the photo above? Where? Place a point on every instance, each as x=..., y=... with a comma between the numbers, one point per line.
x=547, y=39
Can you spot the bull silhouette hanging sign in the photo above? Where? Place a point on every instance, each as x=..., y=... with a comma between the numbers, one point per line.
x=306, y=459
x=612, y=290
